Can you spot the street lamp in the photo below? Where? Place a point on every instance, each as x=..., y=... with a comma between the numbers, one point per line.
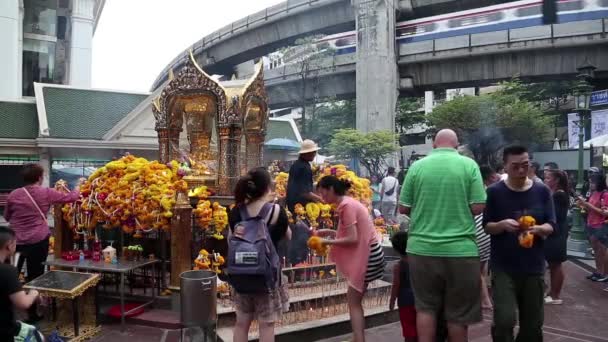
x=577, y=243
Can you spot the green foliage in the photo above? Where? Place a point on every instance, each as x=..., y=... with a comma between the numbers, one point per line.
x=329, y=117
x=307, y=56
x=487, y=123
x=408, y=114
x=370, y=149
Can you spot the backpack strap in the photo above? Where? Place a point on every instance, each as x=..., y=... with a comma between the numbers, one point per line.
x=263, y=213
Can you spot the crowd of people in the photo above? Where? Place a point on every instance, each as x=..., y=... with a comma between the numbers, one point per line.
x=466, y=224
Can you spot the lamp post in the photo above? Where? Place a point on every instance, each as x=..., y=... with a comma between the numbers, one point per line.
x=577, y=243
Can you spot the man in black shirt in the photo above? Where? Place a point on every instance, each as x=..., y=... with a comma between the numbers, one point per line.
x=11, y=294
x=300, y=190
x=300, y=184
x=517, y=271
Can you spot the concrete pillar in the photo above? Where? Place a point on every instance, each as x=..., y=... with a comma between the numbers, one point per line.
x=429, y=101
x=377, y=74
x=46, y=163
x=81, y=43
x=10, y=30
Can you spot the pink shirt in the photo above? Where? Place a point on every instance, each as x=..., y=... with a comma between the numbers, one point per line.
x=351, y=261
x=25, y=219
x=595, y=220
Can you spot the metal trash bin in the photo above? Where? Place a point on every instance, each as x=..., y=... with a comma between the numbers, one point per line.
x=198, y=299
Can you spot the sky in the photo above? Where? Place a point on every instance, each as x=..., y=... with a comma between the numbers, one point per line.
x=136, y=39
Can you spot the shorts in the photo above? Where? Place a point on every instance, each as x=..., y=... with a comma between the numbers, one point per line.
x=265, y=307
x=407, y=316
x=448, y=285
x=600, y=234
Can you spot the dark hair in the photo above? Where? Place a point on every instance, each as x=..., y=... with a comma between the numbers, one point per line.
x=6, y=235
x=340, y=186
x=252, y=186
x=552, y=166
x=513, y=150
x=399, y=242
x=535, y=165
x=391, y=170
x=599, y=180
x=562, y=179
x=31, y=173
x=486, y=172
x=499, y=168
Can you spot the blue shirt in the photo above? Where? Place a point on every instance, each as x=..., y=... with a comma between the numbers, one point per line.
x=503, y=203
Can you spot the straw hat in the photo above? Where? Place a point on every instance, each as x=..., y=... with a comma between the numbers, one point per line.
x=308, y=146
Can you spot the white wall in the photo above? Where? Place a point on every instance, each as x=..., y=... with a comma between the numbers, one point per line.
x=10, y=82
x=81, y=43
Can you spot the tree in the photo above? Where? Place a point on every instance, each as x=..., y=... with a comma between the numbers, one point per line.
x=370, y=149
x=329, y=117
x=487, y=123
x=550, y=96
x=409, y=114
x=307, y=56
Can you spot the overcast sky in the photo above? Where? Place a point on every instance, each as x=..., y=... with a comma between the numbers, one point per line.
x=136, y=39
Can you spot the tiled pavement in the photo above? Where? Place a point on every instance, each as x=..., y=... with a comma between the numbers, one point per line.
x=583, y=317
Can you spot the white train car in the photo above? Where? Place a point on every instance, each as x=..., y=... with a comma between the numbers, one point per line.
x=507, y=16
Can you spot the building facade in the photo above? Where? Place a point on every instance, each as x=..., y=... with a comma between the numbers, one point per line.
x=46, y=41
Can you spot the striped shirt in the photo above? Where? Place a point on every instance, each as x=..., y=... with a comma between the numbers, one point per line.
x=483, y=239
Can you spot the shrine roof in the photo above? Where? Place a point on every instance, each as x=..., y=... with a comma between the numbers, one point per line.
x=76, y=113
x=19, y=120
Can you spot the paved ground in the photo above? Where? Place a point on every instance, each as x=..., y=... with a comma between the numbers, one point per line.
x=581, y=318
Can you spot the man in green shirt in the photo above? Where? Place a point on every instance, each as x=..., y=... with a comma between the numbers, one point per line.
x=442, y=193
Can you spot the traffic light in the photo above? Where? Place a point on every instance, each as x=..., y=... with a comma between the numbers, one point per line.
x=549, y=12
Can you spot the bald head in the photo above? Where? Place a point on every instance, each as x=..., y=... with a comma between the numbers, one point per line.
x=446, y=138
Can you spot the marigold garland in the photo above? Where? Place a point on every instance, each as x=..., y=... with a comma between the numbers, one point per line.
x=132, y=193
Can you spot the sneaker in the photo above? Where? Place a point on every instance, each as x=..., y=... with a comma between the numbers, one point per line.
x=600, y=279
x=592, y=275
x=550, y=301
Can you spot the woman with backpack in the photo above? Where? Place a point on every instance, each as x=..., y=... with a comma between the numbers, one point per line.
x=254, y=269
x=355, y=248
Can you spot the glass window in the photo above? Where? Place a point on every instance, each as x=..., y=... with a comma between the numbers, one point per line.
x=38, y=64
x=40, y=17
x=529, y=11
x=570, y=6
x=418, y=29
x=475, y=20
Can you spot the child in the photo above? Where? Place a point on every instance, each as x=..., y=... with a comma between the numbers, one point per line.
x=11, y=294
x=404, y=295
x=402, y=290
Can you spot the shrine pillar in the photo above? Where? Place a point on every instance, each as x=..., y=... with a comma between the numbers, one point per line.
x=163, y=145
x=181, y=242
x=254, y=142
x=223, y=163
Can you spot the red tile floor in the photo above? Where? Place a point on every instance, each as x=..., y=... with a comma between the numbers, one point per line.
x=582, y=317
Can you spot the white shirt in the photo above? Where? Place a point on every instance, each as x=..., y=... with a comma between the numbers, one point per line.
x=387, y=184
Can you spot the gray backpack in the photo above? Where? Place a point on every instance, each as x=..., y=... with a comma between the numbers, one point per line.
x=253, y=262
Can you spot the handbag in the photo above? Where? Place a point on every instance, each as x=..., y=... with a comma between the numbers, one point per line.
x=391, y=191
x=35, y=205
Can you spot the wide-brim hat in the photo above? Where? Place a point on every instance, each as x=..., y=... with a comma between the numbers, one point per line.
x=308, y=146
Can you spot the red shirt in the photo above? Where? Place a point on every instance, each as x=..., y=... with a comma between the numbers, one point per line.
x=25, y=219
x=595, y=220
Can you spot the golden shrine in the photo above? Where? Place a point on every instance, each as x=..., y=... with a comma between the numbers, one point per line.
x=225, y=124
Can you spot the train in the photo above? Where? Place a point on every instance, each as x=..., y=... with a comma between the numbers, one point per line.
x=511, y=15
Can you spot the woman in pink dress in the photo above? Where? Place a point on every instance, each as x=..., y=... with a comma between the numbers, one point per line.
x=355, y=250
